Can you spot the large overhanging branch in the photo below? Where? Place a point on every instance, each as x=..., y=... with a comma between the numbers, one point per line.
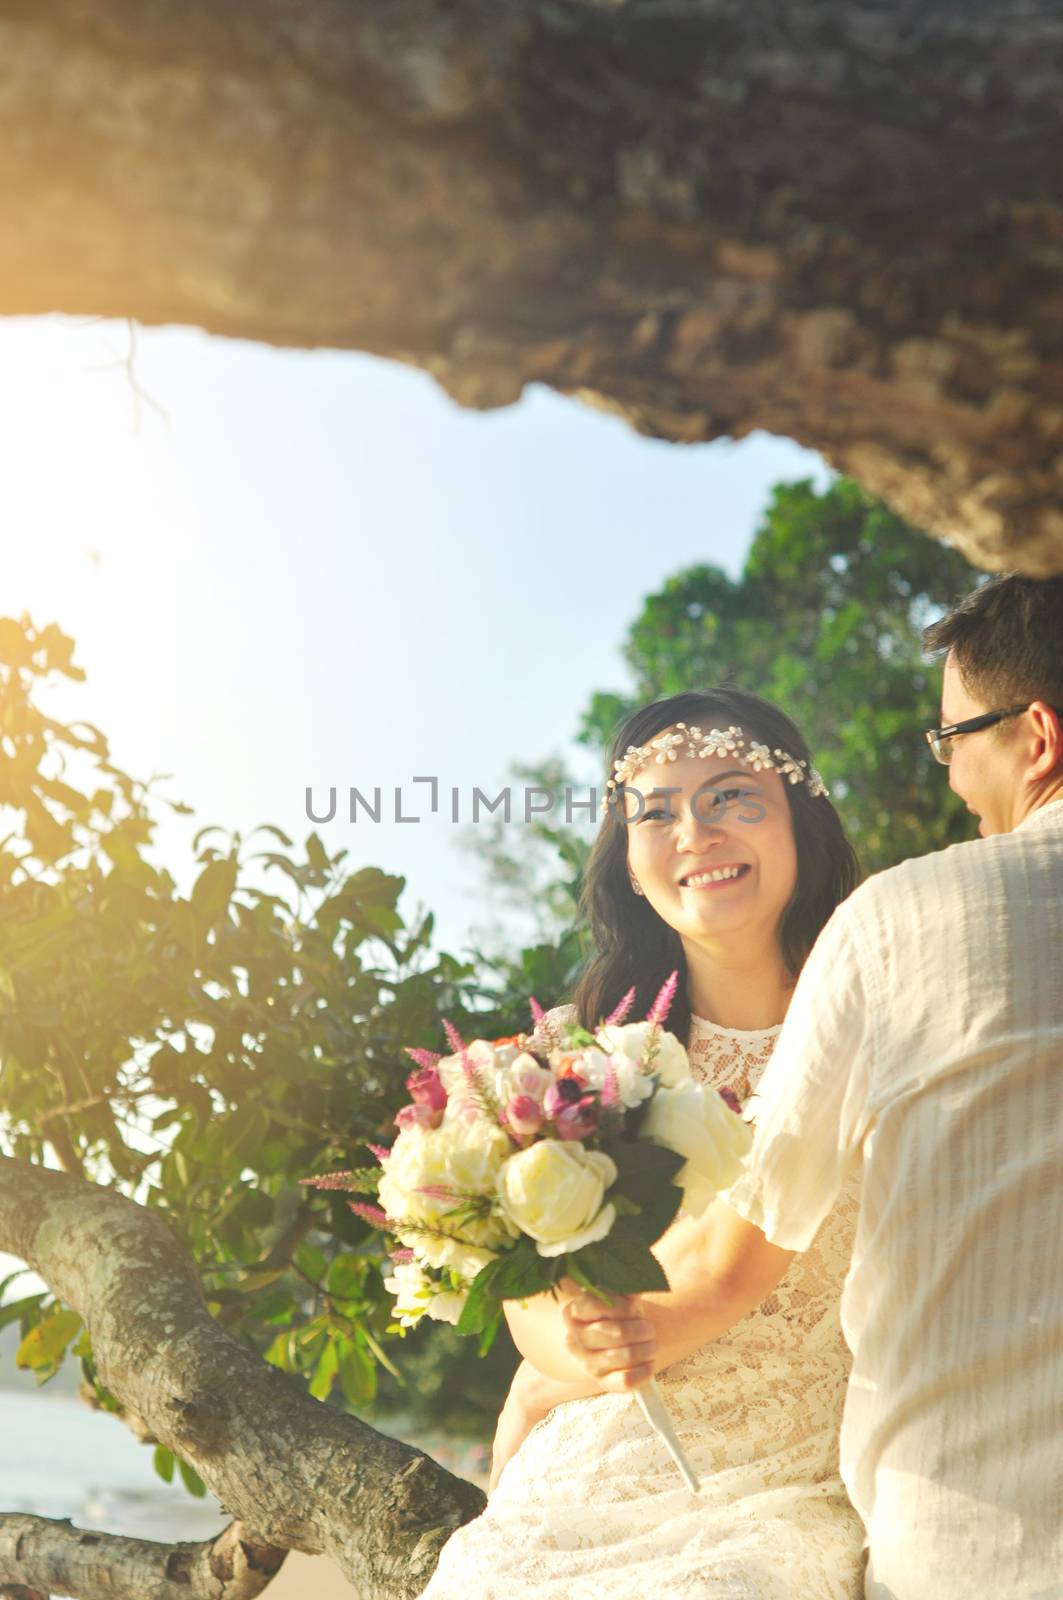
x=837, y=220
x=296, y=1474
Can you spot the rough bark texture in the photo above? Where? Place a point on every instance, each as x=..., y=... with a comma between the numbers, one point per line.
x=838, y=220
x=298, y=1475
x=44, y=1557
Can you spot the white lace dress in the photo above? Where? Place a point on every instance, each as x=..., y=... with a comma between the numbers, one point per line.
x=592, y=1505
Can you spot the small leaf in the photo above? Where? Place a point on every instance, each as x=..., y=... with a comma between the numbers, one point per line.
x=325, y=1372
x=357, y=1375
x=316, y=853
x=280, y=1353
x=18, y=1308
x=45, y=1345
x=212, y=891
x=191, y=1480
x=163, y=1463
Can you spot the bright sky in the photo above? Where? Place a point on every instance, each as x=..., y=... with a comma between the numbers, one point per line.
x=317, y=569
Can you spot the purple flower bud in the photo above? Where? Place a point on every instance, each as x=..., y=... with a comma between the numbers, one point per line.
x=426, y=1088
x=524, y=1115
x=729, y=1098
x=418, y=1116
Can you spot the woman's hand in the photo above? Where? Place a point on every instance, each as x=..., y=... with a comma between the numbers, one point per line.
x=527, y=1402
x=615, y=1343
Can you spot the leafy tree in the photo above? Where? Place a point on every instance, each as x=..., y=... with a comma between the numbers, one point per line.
x=203, y=1052
x=825, y=620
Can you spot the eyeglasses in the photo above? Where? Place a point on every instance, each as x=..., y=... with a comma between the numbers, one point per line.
x=938, y=738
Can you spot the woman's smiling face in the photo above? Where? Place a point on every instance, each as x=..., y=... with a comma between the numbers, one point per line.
x=725, y=819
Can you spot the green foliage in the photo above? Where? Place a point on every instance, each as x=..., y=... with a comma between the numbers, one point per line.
x=203, y=1052
x=825, y=621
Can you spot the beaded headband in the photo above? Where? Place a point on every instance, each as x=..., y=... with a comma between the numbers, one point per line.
x=717, y=742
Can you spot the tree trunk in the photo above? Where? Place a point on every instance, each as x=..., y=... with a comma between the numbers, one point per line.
x=297, y=1474
x=836, y=220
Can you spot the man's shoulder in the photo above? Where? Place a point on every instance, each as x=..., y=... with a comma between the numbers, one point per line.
x=969, y=861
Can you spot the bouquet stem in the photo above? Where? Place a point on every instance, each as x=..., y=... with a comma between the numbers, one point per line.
x=655, y=1411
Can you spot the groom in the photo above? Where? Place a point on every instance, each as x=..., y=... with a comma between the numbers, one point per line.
x=925, y=1040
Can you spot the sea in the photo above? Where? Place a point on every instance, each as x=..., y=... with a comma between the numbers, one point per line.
x=60, y=1459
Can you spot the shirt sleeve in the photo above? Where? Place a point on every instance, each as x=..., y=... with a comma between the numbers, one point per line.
x=811, y=1103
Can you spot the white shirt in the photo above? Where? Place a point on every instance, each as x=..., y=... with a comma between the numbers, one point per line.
x=925, y=1037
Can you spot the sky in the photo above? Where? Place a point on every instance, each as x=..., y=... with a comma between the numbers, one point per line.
x=311, y=568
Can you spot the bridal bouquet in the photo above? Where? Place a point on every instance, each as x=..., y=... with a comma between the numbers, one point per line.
x=559, y=1153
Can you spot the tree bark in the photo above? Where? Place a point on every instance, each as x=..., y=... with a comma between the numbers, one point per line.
x=43, y=1557
x=297, y=1474
x=836, y=220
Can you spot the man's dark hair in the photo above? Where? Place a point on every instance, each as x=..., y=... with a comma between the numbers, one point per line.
x=1007, y=640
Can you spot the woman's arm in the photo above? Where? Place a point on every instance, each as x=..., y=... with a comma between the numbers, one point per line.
x=718, y=1266
x=531, y=1397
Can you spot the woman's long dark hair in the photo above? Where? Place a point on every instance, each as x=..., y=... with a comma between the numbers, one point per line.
x=635, y=947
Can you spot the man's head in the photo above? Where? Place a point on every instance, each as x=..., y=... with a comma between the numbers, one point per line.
x=1004, y=647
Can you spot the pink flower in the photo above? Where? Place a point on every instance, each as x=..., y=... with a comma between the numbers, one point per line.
x=524, y=1115
x=577, y=1121
x=562, y=1092
x=418, y=1116
x=660, y=1008
x=620, y=1011
x=426, y=1088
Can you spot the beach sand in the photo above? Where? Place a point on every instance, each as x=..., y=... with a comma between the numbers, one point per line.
x=309, y=1578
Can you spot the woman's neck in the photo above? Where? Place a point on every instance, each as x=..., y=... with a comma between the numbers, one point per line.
x=737, y=992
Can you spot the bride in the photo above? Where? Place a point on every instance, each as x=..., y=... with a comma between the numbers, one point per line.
x=585, y=1499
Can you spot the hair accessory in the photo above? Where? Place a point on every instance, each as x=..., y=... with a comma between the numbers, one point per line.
x=717, y=742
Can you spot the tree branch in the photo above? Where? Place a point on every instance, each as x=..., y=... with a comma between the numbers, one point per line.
x=835, y=221
x=302, y=1475
x=47, y=1557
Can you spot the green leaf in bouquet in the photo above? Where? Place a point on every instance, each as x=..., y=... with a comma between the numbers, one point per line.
x=522, y=1272
x=487, y=1334
x=644, y=1177
x=577, y=1037
x=621, y=1263
x=481, y=1305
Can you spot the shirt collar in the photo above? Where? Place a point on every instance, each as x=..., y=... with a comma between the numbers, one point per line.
x=1043, y=816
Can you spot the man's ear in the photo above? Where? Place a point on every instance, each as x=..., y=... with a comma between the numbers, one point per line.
x=1048, y=724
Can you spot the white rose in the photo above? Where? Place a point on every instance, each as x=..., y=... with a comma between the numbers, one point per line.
x=631, y=1038
x=696, y=1123
x=553, y=1191
x=460, y=1159
x=633, y=1085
